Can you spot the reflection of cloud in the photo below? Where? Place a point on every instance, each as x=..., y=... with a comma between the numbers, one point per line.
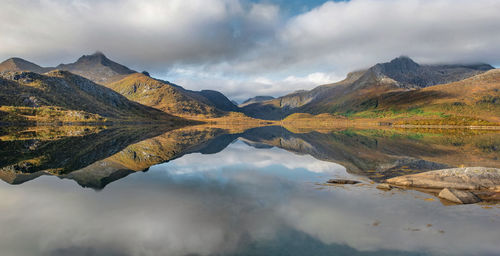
x=161, y=212
x=238, y=153
x=348, y=217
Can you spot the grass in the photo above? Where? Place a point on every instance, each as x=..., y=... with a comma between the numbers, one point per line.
x=47, y=114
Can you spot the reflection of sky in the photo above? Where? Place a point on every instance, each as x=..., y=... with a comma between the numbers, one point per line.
x=238, y=156
x=241, y=201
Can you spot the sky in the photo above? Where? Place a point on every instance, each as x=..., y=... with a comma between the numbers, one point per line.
x=245, y=48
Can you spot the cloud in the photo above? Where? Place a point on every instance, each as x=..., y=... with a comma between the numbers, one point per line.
x=241, y=88
x=362, y=32
x=150, y=34
x=239, y=42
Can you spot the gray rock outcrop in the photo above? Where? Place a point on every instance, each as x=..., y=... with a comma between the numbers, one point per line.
x=469, y=178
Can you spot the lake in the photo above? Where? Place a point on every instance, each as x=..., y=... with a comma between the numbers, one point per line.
x=204, y=190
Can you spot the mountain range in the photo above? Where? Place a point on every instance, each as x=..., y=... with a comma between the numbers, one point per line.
x=397, y=91
x=400, y=87
x=138, y=87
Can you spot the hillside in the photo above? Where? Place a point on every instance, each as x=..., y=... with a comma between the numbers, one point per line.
x=98, y=68
x=363, y=90
x=159, y=94
x=255, y=99
x=60, y=96
x=172, y=98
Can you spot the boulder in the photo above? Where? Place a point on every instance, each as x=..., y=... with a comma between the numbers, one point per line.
x=469, y=178
x=459, y=196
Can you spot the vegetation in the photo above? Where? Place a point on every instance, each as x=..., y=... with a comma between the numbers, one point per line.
x=60, y=96
x=167, y=97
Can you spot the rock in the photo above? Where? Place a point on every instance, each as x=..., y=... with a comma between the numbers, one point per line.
x=342, y=181
x=469, y=178
x=459, y=196
x=384, y=186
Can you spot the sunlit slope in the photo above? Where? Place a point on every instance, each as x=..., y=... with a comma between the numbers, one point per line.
x=171, y=98
x=60, y=96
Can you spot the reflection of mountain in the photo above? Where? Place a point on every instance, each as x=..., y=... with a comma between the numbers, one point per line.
x=381, y=154
x=96, y=158
x=26, y=158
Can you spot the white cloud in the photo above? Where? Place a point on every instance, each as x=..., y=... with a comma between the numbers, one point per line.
x=146, y=34
x=240, y=89
x=238, y=153
x=359, y=33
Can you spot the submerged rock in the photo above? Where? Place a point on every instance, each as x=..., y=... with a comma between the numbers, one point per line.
x=459, y=196
x=469, y=178
x=342, y=181
x=384, y=186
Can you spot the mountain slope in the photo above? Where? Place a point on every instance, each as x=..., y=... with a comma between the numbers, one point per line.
x=18, y=64
x=360, y=90
x=161, y=95
x=138, y=87
x=62, y=96
x=172, y=98
x=218, y=100
x=255, y=99
x=98, y=68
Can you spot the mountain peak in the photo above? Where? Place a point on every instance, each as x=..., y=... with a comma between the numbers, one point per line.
x=98, y=68
x=97, y=57
x=409, y=74
x=404, y=61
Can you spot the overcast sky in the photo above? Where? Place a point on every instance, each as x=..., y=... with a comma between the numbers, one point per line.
x=249, y=47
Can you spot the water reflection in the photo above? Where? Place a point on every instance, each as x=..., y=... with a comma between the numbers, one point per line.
x=97, y=156
x=239, y=201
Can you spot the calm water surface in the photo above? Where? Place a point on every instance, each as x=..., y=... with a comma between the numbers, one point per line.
x=205, y=191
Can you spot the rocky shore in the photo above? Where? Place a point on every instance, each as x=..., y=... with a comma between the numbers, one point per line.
x=457, y=185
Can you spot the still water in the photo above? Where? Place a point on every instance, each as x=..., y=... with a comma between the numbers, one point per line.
x=210, y=191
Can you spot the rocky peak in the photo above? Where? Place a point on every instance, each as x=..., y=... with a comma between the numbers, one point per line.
x=409, y=74
x=96, y=58
x=401, y=64
x=98, y=68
